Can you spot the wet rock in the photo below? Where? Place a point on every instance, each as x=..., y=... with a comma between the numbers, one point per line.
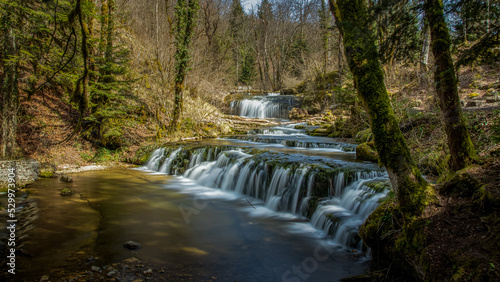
x=66, y=178
x=131, y=260
x=112, y=273
x=95, y=268
x=44, y=278
x=132, y=245
x=66, y=192
x=148, y=272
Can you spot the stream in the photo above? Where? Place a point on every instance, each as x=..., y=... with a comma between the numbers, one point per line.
x=272, y=205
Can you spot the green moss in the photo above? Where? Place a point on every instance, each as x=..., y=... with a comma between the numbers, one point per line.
x=66, y=192
x=379, y=186
x=47, y=174
x=367, y=152
x=319, y=132
x=485, y=200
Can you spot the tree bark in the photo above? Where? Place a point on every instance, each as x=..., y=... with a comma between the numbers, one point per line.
x=461, y=148
x=361, y=53
x=10, y=91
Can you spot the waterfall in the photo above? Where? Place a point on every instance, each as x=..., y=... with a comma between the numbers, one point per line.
x=287, y=142
x=271, y=106
x=342, y=201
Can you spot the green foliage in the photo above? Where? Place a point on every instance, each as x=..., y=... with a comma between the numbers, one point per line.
x=236, y=20
x=296, y=54
x=399, y=31
x=247, y=71
x=186, y=12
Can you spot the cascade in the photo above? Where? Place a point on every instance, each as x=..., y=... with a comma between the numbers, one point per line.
x=336, y=197
x=269, y=106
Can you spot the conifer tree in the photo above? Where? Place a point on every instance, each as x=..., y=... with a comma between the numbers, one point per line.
x=10, y=91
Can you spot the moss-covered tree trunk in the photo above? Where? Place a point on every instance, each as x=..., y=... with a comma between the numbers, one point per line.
x=359, y=47
x=461, y=148
x=185, y=11
x=10, y=91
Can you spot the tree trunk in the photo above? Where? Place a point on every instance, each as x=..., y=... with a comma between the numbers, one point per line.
x=424, y=57
x=10, y=91
x=110, y=34
x=104, y=27
x=186, y=11
x=359, y=46
x=461, y=148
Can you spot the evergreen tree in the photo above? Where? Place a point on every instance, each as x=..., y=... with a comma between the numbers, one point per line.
x=108, y=86
x=10, y=73
x=236, y=31
x=247, y=73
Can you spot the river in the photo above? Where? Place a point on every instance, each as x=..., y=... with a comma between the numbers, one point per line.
x=271, y=205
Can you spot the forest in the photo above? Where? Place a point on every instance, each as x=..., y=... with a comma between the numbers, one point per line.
x=288, y=103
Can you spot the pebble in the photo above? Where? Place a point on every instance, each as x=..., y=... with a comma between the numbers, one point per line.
x=95, y=268
x=148, y=272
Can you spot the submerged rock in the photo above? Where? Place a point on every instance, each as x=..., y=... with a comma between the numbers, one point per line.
x=132, y=245
x=66, y=178
x=66, y=192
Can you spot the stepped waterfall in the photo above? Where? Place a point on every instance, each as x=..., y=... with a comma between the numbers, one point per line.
x=335, y=196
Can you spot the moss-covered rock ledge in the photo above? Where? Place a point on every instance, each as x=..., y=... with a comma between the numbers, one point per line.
x=456, y=238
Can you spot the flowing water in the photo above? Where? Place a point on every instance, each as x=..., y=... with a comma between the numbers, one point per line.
x=268, y=106
x=272, y=205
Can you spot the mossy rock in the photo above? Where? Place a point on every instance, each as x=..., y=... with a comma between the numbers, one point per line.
x=461, y=183
x=379, y=185
x=66, y=178
x=320, y=132
x=379, y=223
x=46, y=174
x=367, y=152
x=67, y=192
